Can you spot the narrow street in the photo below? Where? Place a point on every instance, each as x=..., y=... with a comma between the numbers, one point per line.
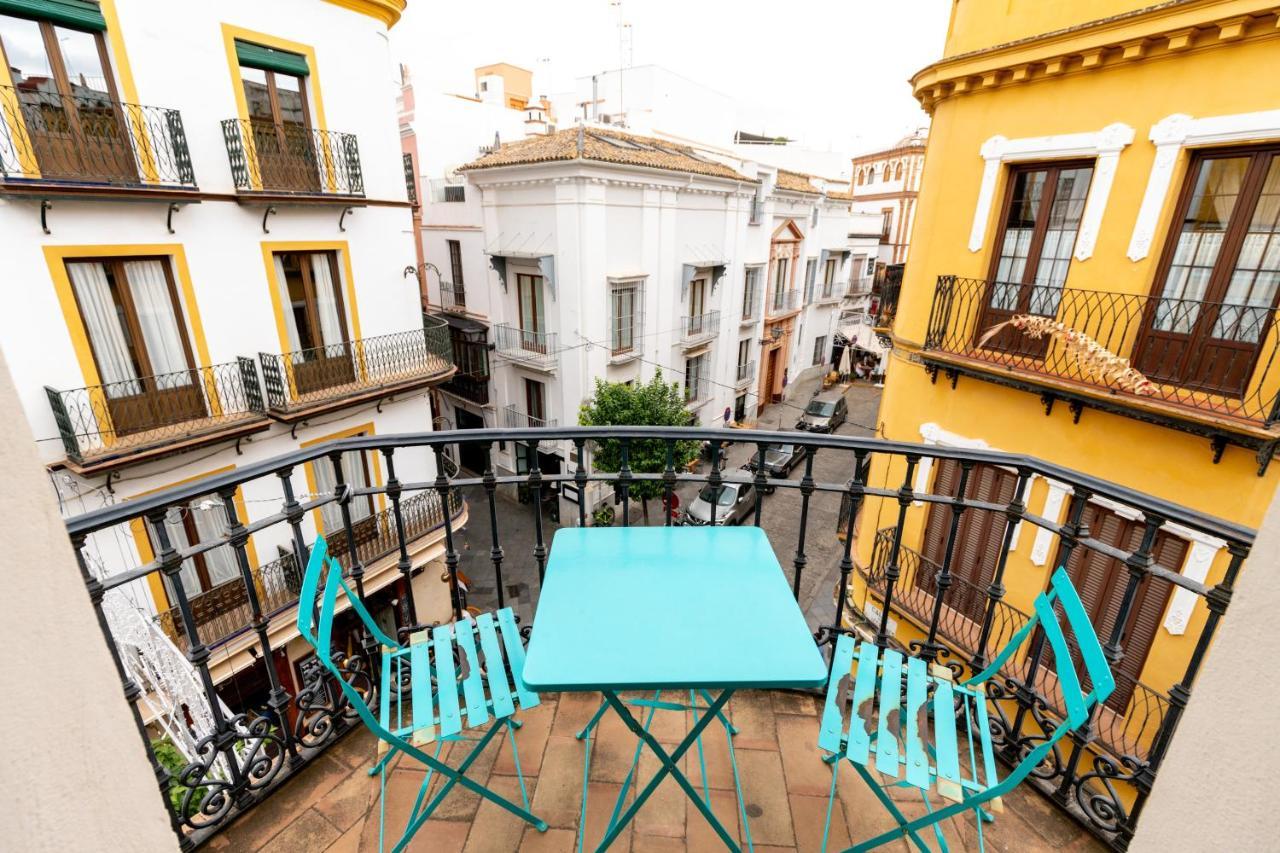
x=781, y=517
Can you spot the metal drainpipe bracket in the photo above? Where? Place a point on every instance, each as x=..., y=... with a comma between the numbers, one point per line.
x=269, y=211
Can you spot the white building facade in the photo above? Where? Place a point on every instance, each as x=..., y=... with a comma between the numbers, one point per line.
x=215, y=280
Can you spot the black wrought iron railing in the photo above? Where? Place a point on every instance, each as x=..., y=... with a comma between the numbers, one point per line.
x=886, y=290
x=453, y=297
x=858, y=286
x=746, y=372
x=1102, y=776
x=784, y=301
x=699, y=327
x=516, y=419
x=473, y=388
x=223, y=611
x=124, y=417
x=540, y=349
x=304, y=378
x=410, y=179
x=292, y=159
x=88, y=138
x=1215, y=357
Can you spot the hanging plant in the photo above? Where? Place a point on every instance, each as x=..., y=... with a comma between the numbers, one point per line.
x=1094, y=360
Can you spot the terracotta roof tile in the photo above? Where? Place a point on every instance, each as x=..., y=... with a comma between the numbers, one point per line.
x=796, y=182
x=607, y=146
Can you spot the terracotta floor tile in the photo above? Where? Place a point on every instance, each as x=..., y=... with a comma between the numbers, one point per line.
x=754, y=717
x=715, y=754
x=768, y=810
x=807, y=773
x=496, y=830
x=573, y=711
x=809, y=814
x=787, y=702
x=531, y=739
x=349, y=801
x=601, y=797
x=309, y=832
x=288, y=804
x=701, y=838
x=664, y=812
x=613, y=748
x=559, y=797
x=551, y=841
x=656, y=844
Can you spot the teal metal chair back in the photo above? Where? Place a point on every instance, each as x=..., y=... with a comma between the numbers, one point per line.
x=869, y=738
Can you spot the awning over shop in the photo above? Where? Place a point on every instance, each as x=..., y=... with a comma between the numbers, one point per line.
x=469, y=327
x=861, y=336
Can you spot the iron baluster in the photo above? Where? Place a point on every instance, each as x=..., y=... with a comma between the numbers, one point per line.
x=714, y=479
x=443, y=489
x=760, y=480
x=857, y=490
x=624, y=482
x=580, y=479
x=995, y=591
x=806, y=490
x=355, y=570
x=403, y=564
x=132, y=692
x=223, y=738
x=892, y=570
x=930, y=648
x=495, y=546
x=535, y=490
x=669, y=482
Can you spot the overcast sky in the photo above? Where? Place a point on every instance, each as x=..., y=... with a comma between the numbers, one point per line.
x=832, y=73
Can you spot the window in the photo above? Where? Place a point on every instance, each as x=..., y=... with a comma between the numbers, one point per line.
x=71, y=112
x=134, y=322
x=750, y=292
x=202, y=519
x=1042, y=215
x=355, y=473
x=1220, y=274
x=455, y=262
x=535, y=401
x=455, y=192
x=532, y=312
x=810, y=275
x=829, y=273
x=275, y=91
x=781, y=266
x=625, y=313
x=315, y=320
x=871, y=265
x=740, y=408
x=695, y=378
x=886, y=224
x=820, y=350
x=744, y=352
x=697, y=297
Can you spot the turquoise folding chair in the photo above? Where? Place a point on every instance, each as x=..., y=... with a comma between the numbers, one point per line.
x=435, y=664
x=895, y=739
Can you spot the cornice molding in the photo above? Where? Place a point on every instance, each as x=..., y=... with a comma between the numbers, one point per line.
x=1145, y=35
x=387, y=11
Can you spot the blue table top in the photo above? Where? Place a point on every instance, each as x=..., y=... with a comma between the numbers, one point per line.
x=668, y=607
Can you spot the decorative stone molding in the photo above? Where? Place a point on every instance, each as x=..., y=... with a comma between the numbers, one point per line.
x=1173, y=133
x=1053, y=512
x=1104, y=145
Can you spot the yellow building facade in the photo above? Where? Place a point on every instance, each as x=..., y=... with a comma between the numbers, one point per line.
x=1110, y=169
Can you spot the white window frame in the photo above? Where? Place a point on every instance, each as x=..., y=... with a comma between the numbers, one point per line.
x=1104, y=146
x=1173, y=133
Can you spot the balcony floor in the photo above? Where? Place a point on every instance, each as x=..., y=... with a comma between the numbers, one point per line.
x=333, y=805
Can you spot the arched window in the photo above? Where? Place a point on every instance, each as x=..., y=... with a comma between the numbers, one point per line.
x=897, y=173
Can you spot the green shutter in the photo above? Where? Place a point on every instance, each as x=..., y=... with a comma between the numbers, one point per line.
x=270, y=59
x=80, y=14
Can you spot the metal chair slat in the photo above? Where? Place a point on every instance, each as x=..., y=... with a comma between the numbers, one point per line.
x=831, y=729
x=473, y=681
x=1068, y=681
x=947, y=755
x=423, y=725
x=864, y=690
x=917, y=723
x=499, y=690
x=446, y=681
x=515, y=656
x=890, y=710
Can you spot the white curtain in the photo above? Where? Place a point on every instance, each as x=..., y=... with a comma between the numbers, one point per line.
x=290, y=320
x=177, y=533
x=211, y=525
x=326, y=300
x=353, y=474
x=104, y=325
x=161, y=333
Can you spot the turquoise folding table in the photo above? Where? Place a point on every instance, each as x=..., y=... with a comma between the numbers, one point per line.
x=700, y=609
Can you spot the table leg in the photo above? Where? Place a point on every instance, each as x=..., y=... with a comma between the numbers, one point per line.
x=668, y=762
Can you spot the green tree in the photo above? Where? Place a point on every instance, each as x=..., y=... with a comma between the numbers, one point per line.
x=655, y=403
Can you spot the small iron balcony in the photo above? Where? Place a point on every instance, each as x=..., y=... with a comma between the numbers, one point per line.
x=306, y=381
x=290, y=159
x=746, y=372
x=453, y=297
x=88, y=141
x=699, y=328
x=536, y=349
x=783, y=302
x=513, y=418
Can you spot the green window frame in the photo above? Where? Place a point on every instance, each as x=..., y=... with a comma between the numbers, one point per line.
x=269, y=59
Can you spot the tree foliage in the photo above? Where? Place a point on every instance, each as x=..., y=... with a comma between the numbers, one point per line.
x=654, y=403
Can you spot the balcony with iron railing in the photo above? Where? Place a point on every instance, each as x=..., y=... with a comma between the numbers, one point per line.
x=699, y=328
x=859, y=286
x=534, y=349
x=746, y=373
x=276, y=734
x=87, y=144
x=1194, y=359
x=783, y=302
x=453, y=297
x=105, y=426
x=291, y=160
x=513, y=418
x=410, y=179
x=304, y=382
x=885, y=292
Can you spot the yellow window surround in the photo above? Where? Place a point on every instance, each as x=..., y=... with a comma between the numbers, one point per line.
x=375, y=462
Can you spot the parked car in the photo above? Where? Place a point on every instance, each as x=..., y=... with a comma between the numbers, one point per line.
x=779, y=461
x=825, y=412
x=734, y=502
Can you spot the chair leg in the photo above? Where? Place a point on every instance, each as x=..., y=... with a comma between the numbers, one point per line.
x=831, y=800
x=595, y=718
x=904, y=827
x=515, y=759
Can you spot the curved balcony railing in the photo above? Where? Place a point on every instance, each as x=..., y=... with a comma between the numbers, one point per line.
x=783, y=301
x=1097, y=781
x=1218, y=358
x=307, y=378
x=292, y=159
x=125, y=417
x=88, y=138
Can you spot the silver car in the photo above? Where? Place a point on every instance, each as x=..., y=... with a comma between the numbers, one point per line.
x=734, y=502
x=824, y=413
